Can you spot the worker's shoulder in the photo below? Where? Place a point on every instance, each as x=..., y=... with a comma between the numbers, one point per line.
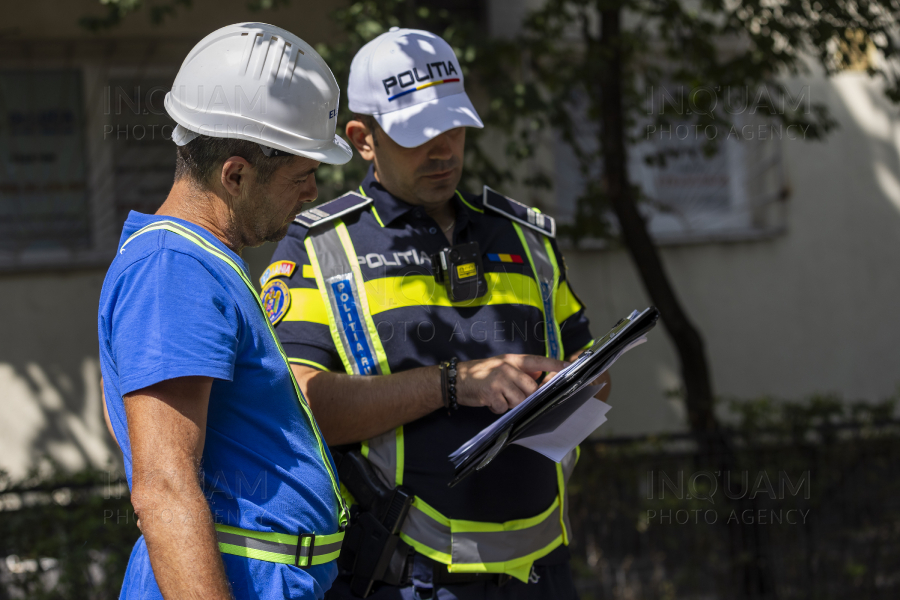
x=160, y=247
x=147, y=261
x=332, y=210
x=496, y=203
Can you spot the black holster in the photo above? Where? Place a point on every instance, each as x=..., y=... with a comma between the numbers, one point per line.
x=372, y=550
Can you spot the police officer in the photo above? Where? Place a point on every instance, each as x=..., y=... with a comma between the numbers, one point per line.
x=408, y=354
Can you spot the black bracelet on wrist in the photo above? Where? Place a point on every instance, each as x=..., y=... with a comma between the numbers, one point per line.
x=443, y=365
x=448, y=384
x=451, y=385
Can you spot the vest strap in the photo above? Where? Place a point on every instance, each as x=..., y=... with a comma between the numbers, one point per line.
x=340, y=281
x=543, y=262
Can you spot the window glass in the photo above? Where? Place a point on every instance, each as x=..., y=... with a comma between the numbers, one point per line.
x=693, y=196
x=43, y=188
x=141, y=133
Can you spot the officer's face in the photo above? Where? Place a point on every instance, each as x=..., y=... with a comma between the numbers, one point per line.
x=270, y=207
x=425, y=175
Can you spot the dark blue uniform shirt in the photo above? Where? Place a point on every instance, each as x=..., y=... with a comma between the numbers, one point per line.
x=418, y=327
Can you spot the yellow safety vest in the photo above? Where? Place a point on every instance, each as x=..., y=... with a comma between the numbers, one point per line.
x=464, y=546
x=304, y=550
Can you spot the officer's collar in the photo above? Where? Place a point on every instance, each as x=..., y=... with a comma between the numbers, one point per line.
x=390, y=208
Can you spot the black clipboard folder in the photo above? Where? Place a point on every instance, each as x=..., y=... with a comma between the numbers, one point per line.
x=479, y=451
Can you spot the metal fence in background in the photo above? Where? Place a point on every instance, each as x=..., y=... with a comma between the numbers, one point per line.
x=806, y=514
x=816, y=515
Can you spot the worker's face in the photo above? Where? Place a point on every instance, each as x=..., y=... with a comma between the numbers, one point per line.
x=268, y=209
x=425, y=175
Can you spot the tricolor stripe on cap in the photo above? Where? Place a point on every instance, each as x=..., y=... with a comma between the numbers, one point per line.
x=423, y=86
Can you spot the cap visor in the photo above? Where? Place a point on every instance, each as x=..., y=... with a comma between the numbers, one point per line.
x=414, y=125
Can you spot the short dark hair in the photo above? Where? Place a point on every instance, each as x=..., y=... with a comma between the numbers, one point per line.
x=202, y=158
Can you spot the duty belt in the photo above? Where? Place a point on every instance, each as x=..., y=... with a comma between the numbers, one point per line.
x=307, y=550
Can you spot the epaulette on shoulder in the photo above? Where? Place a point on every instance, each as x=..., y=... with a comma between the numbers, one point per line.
x=519, y=213
x=331, y=210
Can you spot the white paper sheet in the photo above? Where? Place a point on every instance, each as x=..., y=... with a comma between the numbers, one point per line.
x=567, y=425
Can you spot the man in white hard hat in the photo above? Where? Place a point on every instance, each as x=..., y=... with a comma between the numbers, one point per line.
x=407, y=360
x=233, y=487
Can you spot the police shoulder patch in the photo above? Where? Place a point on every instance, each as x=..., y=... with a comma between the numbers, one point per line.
x=276, y=300
x=282, y=268
x=518, y=212
x=333, y=209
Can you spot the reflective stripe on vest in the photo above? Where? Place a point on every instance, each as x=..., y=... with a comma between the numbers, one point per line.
x=340, y=281
x=343, y=516
x=481, y=547
x=464, y=546
x=302, y=551
x=543, y=263
x=393, y=293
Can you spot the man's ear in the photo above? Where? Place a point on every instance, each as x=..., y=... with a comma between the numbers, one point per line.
x=361, y=137
x=234, y=176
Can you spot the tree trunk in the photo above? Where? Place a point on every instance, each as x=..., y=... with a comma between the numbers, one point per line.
x=748, y=552
x=687, y=340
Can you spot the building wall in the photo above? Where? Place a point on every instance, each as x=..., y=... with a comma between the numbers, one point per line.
x=810, y=310
x=49, y=366
x=49, y=371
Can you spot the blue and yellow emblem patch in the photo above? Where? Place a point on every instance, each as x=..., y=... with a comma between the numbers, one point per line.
x=276, y=300
x=282, y=268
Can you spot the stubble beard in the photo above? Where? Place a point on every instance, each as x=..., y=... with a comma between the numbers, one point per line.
x=440, y=193
x=256, y=229
x=278, y=235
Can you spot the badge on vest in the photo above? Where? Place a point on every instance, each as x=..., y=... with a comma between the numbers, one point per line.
x=282, y=268
x=276, y=300
x=519, y=213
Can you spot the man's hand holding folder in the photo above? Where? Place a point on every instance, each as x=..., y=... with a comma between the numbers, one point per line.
x=563, y=412
x=502, y=382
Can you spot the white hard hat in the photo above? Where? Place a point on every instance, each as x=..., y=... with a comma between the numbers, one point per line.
x=260, y=83
x=411, y=82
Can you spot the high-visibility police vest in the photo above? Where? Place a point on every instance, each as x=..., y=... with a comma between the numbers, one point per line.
x=464, y=546
x=305, y=550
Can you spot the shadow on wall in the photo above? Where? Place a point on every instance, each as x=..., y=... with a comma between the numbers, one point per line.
x=50, y=374
x=50, y=371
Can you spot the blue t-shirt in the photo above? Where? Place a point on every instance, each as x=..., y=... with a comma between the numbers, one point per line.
x=171, y=309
